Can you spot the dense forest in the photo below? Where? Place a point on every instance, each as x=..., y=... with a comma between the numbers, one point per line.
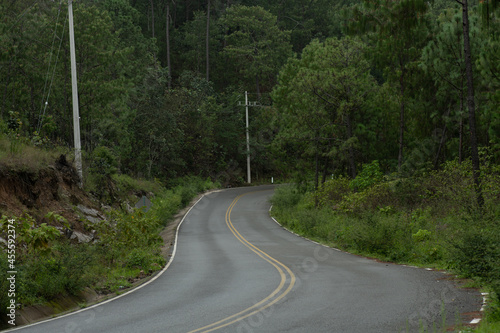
x=336, y=84
x=384, y=114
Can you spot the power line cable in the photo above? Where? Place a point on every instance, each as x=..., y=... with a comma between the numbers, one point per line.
x=41, y=116
x=22, y=14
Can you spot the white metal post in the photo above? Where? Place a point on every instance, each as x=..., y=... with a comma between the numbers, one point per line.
x=249, y=178
x=76, y=117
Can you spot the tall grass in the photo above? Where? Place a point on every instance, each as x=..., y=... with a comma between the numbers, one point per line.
x=23, y=156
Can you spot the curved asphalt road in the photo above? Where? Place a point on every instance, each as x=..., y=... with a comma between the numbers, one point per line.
x=235, y=270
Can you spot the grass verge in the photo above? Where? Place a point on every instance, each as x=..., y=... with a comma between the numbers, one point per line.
x=430, y=221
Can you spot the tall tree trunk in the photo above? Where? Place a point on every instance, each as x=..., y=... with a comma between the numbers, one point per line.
x=257, y=87
x=188, y=9
x=461, y=128
x=443, y=139
x=169, y=66
x=207, y=51
x=152, y=18
x=471, y=104
x=5, y=90
x=316, y=164
x=325, y=171
x=352, y=160
x=32, y=112
x=401, y=115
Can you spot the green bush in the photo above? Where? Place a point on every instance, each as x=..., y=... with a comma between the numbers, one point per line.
x=476, y=254
x=286, y=196
x=165, y=206
x=371, y=199
x=103, y=166
x=370, y=175
x=68, y=268
x=103, y=162
x=144, y=258
x=333, y=191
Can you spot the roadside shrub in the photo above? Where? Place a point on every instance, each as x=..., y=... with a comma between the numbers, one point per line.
x=331, y=192
x=421, y=235
x=124, y=230
x=286, y=196
x=165, y=206
x=189, y=186
x=375, y=235
x=67, y=269
x=370, y=175
x=371, y=199
x=144, y=258
x=451, y=189
x=407, y=193
x=476, y=254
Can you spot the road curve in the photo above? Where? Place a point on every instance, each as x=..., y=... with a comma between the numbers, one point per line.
x=236, y=270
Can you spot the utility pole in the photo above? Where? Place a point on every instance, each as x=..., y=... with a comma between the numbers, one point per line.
x=74, y=88
x=249, y=176
x=247, y=104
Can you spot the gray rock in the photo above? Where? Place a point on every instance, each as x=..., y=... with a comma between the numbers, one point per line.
x=88, y=211
x=92, y=215
x=82, y=238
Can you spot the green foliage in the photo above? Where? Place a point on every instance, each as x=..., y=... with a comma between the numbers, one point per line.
x=333, y=191
x=127, y=183
x=421, y=235
x=67, y=269
x=103, y=166
x=29, y=236
x=255, y=44
x=103, y=162
x=286, y=197
x=40, y=238
x=127, y=231
x=145, y=259
x=476, y=253
x=322, y=101
x=369, y=175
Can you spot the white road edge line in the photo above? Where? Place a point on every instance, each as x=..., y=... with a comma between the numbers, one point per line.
x=128, y=292
x=485, y=300
x=473, y=321
x=307, y=239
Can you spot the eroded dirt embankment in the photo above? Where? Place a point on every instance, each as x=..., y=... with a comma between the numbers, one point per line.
x=54, y=188
x=50, y=189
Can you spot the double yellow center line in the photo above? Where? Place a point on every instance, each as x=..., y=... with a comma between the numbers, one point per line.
x=286, y=284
